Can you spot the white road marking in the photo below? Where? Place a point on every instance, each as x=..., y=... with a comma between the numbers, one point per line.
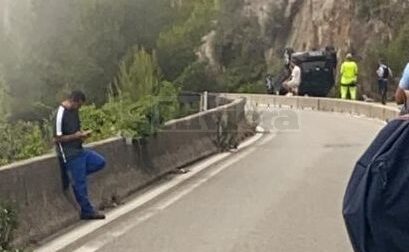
x=74, y=235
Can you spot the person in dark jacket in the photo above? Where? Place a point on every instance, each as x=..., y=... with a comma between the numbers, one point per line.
x=384, y=74
x=331, y=62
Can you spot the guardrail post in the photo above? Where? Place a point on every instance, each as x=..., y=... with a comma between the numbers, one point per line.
x=204, y=101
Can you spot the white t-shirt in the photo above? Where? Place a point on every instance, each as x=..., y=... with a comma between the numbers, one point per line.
x=295, y=80
x=404, y=82
x=381, y=71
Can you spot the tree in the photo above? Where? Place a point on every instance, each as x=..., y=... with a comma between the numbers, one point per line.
x=177, y=46
x=240, y=47
x=139, y=75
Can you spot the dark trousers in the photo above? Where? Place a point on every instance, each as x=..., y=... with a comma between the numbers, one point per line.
x=383, y=89
x=79, y=168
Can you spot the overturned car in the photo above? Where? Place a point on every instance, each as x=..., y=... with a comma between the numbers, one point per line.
x=318, y=72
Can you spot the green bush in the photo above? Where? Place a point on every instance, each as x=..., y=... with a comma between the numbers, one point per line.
x=101, y=121
x=198, y=77
x=168, y=102
x=121, y=115
x=138, y=74
x=148, y=114
x=22, y=140
x=143, y=102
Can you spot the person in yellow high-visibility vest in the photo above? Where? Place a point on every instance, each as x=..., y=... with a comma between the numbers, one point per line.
x=349, y=78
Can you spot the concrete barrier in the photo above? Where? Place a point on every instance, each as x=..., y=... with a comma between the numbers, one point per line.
x=371, y=110
x=308, y=103
x=34, y=186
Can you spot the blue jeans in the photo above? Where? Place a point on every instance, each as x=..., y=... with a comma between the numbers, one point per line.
x=79, y=168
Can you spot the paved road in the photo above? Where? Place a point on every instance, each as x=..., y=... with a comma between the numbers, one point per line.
x=282, y=195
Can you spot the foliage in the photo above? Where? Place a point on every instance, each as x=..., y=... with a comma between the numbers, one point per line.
x=168, y=101
x=198, y=77
x=101, y=121
x=8, y=222
x=141, y=105
x=144, y=117
x=132, y=119
x=140, y=76
x=22, y=140
x=241, y=47
x=177, y=46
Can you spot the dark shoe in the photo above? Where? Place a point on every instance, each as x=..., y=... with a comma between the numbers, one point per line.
x=94, y=216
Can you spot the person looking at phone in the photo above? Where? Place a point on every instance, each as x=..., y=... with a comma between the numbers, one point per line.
x=77, y=162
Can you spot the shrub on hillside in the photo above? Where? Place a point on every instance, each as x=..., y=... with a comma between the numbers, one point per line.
x=22, y=140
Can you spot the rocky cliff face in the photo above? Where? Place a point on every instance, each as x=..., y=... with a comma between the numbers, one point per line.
x=348, y=25
x=321, y=22
x=317, y=23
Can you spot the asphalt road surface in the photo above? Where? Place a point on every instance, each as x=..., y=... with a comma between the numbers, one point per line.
x=283, y=194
